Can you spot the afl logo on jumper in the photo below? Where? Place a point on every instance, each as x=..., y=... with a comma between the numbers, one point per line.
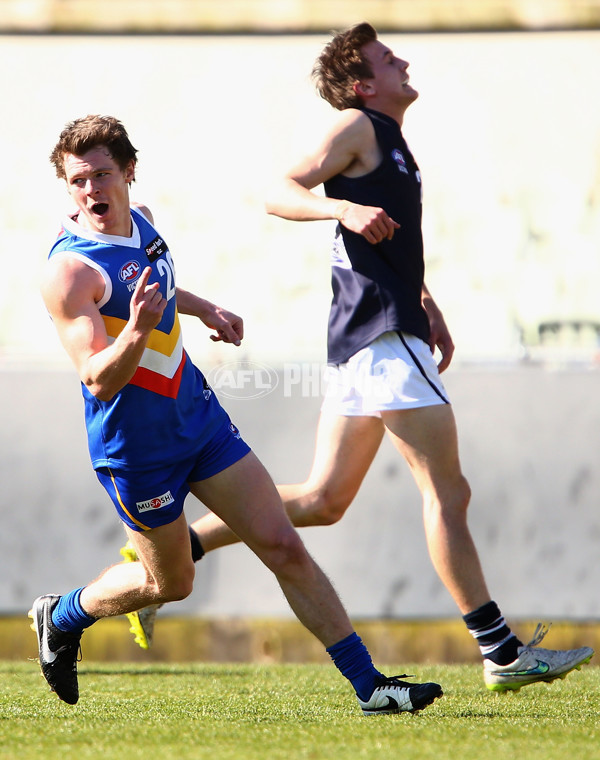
x=400, y=160
x=129, y=271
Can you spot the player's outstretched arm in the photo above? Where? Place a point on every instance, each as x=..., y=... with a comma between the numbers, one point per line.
x=228, y=327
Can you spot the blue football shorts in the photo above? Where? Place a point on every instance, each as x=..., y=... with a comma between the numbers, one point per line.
x=147, y=499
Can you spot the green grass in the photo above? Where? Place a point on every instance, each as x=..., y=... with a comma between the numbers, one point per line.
x=269, y=712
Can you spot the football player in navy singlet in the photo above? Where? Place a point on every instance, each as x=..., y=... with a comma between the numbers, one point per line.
x=384, y=328
x=156, y=431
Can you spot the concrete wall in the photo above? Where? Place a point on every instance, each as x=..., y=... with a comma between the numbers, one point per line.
x=529, y=440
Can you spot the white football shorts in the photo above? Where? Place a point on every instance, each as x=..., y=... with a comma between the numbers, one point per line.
x=396, y=371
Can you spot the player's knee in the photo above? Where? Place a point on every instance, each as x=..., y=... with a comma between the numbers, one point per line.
x=286, y=554
x=450, y=503
x=461, y=496
x=466, y=493
x=177, y=587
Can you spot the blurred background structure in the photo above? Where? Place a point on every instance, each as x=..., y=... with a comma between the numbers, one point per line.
x=217, y=98
x=293, y=16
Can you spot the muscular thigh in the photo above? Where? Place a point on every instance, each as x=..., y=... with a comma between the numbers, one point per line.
x=427, y=439
x=163, y=551
x=245, y=498
x=345, y=449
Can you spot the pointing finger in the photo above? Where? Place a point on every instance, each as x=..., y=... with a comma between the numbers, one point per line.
x=143, y=281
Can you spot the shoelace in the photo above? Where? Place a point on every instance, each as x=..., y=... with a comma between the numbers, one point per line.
x=539, y=634
x=394, y=681
x=68, y=647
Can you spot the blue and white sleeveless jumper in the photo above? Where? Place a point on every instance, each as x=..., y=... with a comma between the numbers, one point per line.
x=167, y=411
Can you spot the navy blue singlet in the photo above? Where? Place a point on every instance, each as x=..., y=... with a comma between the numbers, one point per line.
x=377, y=288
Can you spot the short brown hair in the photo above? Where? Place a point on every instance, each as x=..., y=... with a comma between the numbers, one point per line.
x=341, y=64
x=81, y=135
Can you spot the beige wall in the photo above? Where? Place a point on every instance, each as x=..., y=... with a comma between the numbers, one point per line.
x=506, y=132
x=292, y=15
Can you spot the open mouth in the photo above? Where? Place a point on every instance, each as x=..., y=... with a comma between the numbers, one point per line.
x=100, y=209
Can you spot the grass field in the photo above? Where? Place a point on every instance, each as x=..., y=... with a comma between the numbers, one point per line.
x=288, y=711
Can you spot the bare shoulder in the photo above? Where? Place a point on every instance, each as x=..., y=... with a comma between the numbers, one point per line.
x=355, y=136
x=68, y=281
x=353, y=124
x=144, y=210
x=349, y=147
x=353, y=117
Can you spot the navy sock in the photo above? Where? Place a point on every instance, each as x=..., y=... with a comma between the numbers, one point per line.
x=197, y=550
x=69, y=615
x=352, y=659
x=496, y=641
